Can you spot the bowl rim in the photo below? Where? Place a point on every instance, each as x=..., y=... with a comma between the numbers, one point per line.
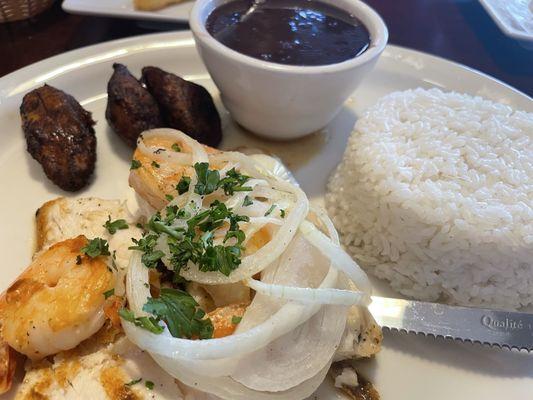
x=378, y=40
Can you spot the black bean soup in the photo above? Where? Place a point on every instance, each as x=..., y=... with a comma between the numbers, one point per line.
x=294, y=32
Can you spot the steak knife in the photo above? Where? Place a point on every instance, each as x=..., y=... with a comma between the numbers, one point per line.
x=505, y=329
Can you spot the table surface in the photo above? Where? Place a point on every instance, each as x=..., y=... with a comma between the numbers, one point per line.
x=459, y=30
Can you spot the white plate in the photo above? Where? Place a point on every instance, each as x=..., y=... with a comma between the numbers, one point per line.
x=513, y=17
x=124, y=9
x=409, y=367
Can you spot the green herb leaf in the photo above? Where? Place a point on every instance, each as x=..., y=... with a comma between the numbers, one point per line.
x=208, y=180
x=149, y=323
x=113, y=226
x=282, y=213
x=109, y=293
x=224, y=259
x=169, y=197
x=155, y=164
x=134, y=382
x=149, y=385
x=269, y=211
x=183, y=185
x=179, y=310
x=235, y=320
x=146, y=244
x=247, y=201
x=135, y=164
x=96, y=247
x=233, y=182
x=176, y=147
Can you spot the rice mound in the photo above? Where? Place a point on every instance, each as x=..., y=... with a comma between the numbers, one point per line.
x=435, y=194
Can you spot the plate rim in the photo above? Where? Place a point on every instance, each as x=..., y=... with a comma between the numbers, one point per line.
x=186, y=35
x=506, y=29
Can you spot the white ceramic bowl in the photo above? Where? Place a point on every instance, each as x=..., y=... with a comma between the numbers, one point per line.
x=285, y=101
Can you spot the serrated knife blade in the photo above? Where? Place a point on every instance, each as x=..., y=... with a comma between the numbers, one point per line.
x=506, y=329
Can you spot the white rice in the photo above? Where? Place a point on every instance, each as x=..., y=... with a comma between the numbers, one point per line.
x=435, y=194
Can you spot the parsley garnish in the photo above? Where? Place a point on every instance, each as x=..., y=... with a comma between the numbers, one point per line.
x=149, y=385
x=169, y=197
x=149, y=323
x=109, y=293
x=96, y=247
x=179, y=310
x=247, y=201
x=269, y=211
x=282, y=213
x=236, y=319
x=196, y=243
x=135, y=164
x=233, y=182
x=208, y=180
x=183, y=185
x=192, y=239
x=176, y=147
x=146, y=244
x=134, y=382
x=155, y=164
x=113, y=226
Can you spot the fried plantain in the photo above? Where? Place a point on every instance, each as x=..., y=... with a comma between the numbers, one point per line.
x=60, y=136
x=184, y=105
x=131, y=109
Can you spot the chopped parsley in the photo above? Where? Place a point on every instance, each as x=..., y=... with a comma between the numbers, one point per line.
x=269, y=211
x=146, y=244
x=183, y=185
x=149, y=323
x=149, y=385
x=181, y=313
x=134, y=382
x=113, y=226
x=208, y=180
x=109, y=293
x=282, y=213
x=135, y=164
x=96, y=247
x=247, y=201
x=176, y=147
x=169, y=197
x=155, y=164
x=236, y=319
x=233, y=182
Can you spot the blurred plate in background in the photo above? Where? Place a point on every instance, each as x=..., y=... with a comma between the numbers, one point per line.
x=124, y=9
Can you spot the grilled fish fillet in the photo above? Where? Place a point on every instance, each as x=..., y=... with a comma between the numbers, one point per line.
x=65, y=218
x=99, y=371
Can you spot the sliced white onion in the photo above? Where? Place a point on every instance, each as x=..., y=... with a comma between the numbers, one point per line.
x=295, y=357
x=309, y=295
x=228, y=389
x=337, y=255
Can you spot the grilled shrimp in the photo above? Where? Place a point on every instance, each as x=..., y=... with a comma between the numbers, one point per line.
x=8, y=364
x=154, y=178
x=57, y=302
